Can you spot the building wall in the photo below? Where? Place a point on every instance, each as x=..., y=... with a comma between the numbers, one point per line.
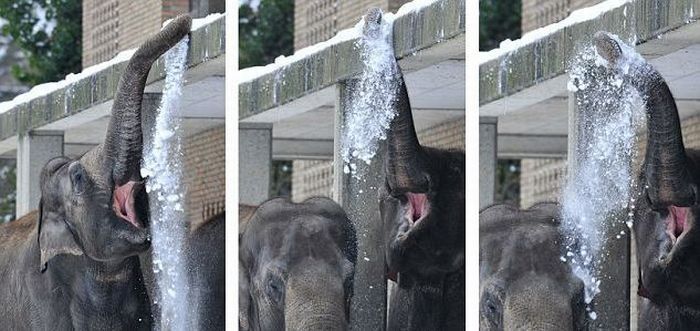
x=205, y=177
x=538, y=13
x=315, y=178
x=111, y=26
x=319, y=20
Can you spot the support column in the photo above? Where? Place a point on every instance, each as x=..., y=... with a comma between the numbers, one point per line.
x=255, y=162
x=488, y=136
x=612, y=304
x=360, y=200
x=33, y=151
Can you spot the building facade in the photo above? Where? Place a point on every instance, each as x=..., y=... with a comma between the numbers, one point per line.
x=319, y=20
x=111, y=26
x=539, y=13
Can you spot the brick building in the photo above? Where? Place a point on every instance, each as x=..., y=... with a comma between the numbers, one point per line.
x=111, y=26
x=538, y=13
x=319, y=20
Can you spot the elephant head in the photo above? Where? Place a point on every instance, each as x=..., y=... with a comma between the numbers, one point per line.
x=296, y=266
x=667, y=209
x=523, y=284
x=422, y=203
x=96, y=205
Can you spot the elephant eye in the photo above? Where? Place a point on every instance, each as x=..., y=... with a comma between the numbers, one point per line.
x=491, y=309
x=274, y=289
x=77, y=176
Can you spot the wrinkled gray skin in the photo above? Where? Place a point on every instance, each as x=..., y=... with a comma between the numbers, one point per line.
x=523, y=285
x=73, y=264
x=422, y=209
x=664, y=220
x=297, y=263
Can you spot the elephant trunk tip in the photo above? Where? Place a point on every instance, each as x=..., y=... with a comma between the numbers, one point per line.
x=373, y=22
x=607, y=47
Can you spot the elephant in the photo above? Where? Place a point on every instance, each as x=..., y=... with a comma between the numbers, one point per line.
x=422, y=211
x=296, y=266
x=667, y=206
x=523, y=283
x=73, y=263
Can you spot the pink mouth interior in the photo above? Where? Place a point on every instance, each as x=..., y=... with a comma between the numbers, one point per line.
x=676, y=222
x=124, y=203
x=418, y=207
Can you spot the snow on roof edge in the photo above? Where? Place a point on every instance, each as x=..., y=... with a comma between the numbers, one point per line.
x=123, y=56
x=252, y=73
x=577, y=16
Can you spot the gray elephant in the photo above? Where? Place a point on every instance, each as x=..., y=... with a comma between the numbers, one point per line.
x=73, y=264
x=422, y=210
x=523, y=284
x=664, y=219
x=296, y=266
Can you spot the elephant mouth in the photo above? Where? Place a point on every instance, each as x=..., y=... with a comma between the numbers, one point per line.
x=677, y=223
x=417, y=209
x=123, y=204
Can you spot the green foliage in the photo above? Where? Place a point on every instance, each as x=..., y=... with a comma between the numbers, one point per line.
x=51, y=53
x=498, y=20
x=265, y=33
x=508, y=182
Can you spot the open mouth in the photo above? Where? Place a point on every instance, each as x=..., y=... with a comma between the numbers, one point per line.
x=418, y=208
x=677, y=224
x=124, y=202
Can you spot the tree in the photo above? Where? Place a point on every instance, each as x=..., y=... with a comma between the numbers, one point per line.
x=8, y=178
x=498, y=20
x=265, y=32
x=49, y=32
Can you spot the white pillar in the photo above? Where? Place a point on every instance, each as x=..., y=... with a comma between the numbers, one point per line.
x=255, y=162
x=488, y=135
x=33, y=151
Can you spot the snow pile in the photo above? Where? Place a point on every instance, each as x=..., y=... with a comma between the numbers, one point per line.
x=370, y=101
x=599, y=191
x=162, y=166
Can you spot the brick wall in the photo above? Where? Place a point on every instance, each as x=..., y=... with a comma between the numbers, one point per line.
x=538, y=13
x=205, y=158
x=111, y=26
x=319, y=20
x=315, y=178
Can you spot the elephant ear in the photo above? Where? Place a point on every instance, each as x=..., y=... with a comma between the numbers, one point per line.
x=55, y=237
x=243, y=298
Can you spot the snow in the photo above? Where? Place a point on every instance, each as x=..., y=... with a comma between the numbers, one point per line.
x=578, y=16
x=252, y=73
x=124, y=56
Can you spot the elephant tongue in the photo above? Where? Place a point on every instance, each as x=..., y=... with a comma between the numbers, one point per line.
x=418, y=203
x=124, y=202
x=676, y=222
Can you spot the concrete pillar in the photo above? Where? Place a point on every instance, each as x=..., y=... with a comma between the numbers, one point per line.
x=359, y=199
x=33, y=151
x=488, y=135
x=255, y=162
x=612, y=304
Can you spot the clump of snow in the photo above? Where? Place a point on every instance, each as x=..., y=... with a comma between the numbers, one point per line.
x=414, y=6
x=162, y=165
x=370, y=102
x=600, y=187
x=577, y=16
x=42, y=24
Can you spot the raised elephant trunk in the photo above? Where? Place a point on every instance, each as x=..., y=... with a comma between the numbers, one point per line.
x=124, y=141
x=666, y=165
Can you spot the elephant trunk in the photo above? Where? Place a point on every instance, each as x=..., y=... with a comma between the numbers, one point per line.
x=124, y=141
x=314, y=302
x=666, y=164
x=404, y=164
